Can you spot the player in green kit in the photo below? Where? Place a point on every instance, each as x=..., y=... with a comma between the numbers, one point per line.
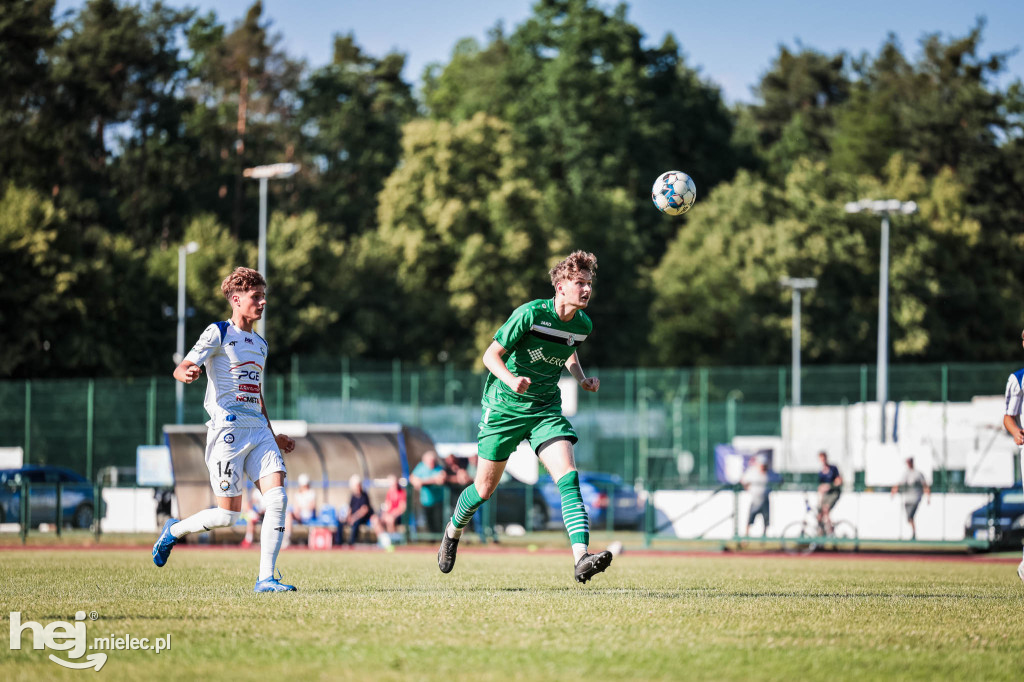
x=522, y=401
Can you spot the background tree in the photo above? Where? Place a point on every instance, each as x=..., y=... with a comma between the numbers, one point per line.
x=248, y=84
x=466, y=231
x=351, y=116
x=27, y=37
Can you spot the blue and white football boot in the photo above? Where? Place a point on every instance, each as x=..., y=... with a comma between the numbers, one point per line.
x=272, y=584
x=164, y=543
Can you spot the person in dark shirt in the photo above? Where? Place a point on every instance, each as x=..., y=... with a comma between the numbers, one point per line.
x=359, y=510
x=829, y=482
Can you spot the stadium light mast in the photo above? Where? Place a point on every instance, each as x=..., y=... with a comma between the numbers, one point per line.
x=263, y=174
x=884, y=208
x=179, y=388
x=797, y=284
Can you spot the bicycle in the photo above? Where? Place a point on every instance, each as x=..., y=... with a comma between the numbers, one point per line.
x=808, y=534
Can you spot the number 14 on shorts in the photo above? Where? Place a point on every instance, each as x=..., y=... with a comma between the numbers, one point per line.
x=227, y=469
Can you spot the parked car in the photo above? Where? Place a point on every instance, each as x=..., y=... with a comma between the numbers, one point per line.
x=1007, y=528
x=511, y=506
x=76, y=496
x=598, y=490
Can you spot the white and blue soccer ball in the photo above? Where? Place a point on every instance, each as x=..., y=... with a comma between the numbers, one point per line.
x=673, y=192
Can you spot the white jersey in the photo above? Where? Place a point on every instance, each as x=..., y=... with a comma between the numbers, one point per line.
x=1015, y=395
x=234, y=361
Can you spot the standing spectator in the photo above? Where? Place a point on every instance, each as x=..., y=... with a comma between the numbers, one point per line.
x=455, y=474
x=456, y=477
x=829, y=481
x=755, y=482
x=304, y=509
x=428, y=477
x=914, y=488
x=360, y=513
x=163, y=497
x=1011, y=420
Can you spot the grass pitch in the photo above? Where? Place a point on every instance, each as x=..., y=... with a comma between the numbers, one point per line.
x=367, y=615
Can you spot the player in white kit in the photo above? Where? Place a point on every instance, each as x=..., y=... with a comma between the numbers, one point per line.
x=1011, y=422
x=240, y=441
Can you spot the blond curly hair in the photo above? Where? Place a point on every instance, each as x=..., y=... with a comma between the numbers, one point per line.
x=241, y=279
x=574, y=265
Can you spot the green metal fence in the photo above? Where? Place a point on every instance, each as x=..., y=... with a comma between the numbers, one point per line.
x=637, y=426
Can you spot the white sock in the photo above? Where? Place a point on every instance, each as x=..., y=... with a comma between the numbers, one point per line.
x=207, y=519
x=578, y=551
x=272, y=532
x=453, y=532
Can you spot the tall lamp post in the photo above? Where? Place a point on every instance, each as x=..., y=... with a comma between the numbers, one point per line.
x=263, y=174
x=179, y=388
x=884, y=208
x=797, y=284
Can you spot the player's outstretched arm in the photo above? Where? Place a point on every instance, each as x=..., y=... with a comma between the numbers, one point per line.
x=576, y=370
x=187, y=372
x=494, y=362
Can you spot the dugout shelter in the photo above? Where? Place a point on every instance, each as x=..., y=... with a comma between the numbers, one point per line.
x=328, y=453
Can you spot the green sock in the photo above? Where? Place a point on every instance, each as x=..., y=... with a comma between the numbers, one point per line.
x=574, y=514
x=469, y=502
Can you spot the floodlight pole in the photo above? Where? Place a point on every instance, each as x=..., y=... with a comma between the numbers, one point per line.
x=882, y=358
x=884, y=208
x=797, y=284
x=263, y=174
x=179, y=388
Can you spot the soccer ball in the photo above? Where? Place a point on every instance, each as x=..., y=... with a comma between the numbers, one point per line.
x=673, y=192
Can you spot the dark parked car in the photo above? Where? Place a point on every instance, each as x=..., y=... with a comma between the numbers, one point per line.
x=76, y=496
x=512, y=507
x=1007, y=528
x=599, y=491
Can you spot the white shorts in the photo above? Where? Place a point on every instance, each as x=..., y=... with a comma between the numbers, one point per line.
x=232, y=451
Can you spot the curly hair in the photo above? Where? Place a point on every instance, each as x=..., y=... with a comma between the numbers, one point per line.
x=577, y=263
x=241, y=279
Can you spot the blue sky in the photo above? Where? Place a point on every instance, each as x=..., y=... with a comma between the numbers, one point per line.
x=732, y=41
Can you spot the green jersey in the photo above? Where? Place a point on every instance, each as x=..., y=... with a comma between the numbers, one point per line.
x=538, y=344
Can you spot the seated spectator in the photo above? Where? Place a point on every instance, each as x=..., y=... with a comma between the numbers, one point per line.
x=394, y=505
x=253, y=515
x=302, y=510
x=359, y=510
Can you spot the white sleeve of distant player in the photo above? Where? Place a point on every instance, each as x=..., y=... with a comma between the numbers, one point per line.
x=1013, y=396
x=207, y=343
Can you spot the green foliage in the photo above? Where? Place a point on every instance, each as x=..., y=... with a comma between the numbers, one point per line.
x=124, y=130
x=301, y=292
x=34, y=277
x=70, y=298
x=27, y=34
x=465, y=230
x=755, y=233
x=798, y=96
x=351, y=116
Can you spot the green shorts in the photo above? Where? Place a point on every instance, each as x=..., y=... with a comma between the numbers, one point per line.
x=501, y=433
